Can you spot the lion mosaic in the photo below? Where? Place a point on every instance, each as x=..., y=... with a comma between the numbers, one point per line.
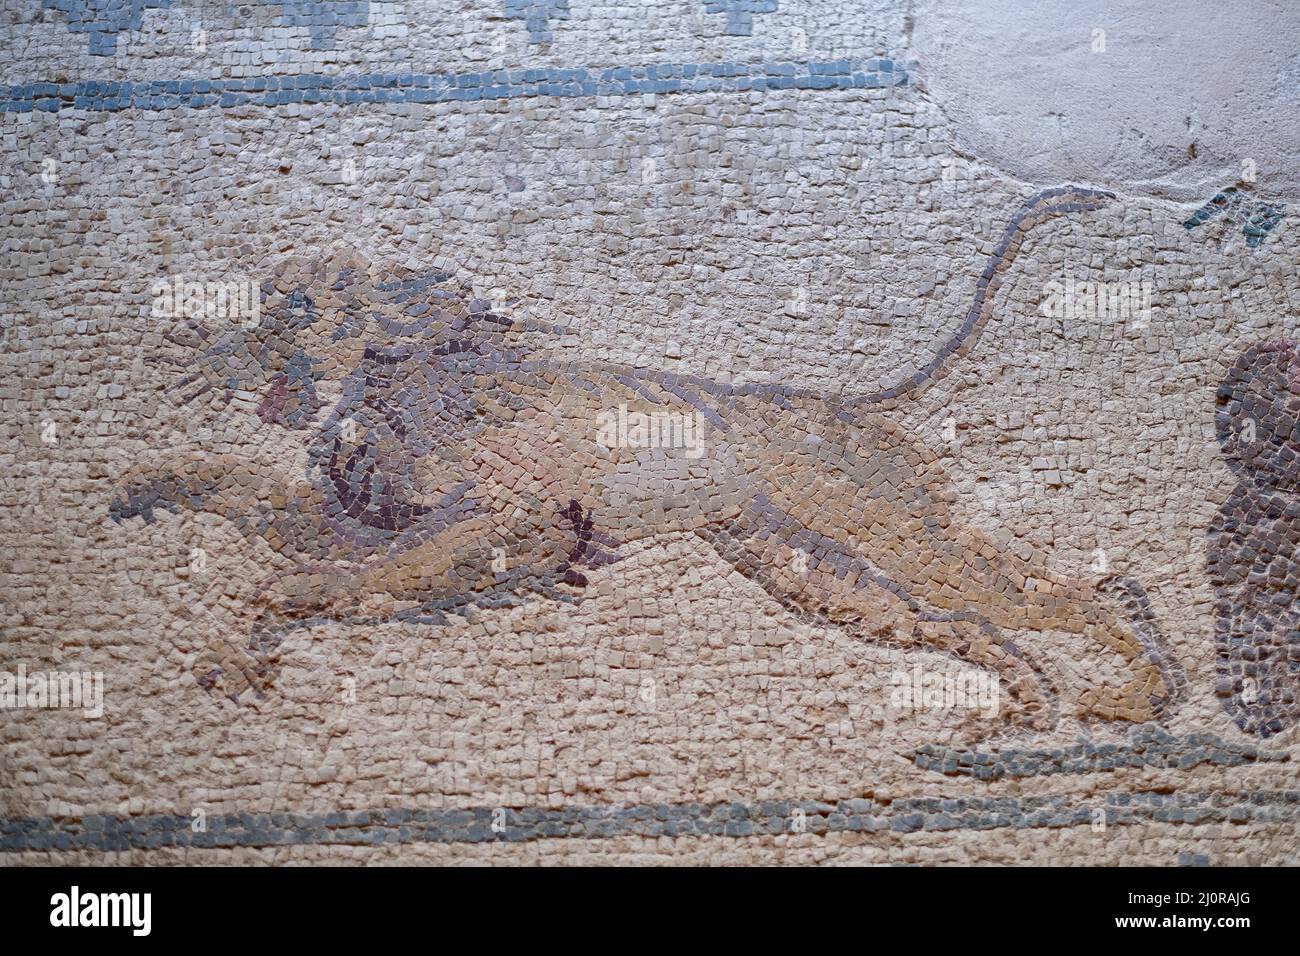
x=462, y=466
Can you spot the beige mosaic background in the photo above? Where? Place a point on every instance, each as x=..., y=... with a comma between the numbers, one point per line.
x=828, y=239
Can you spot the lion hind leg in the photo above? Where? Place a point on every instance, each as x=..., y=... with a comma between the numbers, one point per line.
x=814, y=575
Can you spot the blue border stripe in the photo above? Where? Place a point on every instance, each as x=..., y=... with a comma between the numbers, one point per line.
x=109, y=833
x=661, y=78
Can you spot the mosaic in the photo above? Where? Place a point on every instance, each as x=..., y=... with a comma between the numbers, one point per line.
x=1254, y=541
x=323, y=18
x=740, y=13
x=476, y=825
x=537, y=16
x=533, y=434
x=652, y=79
x=458, y=468
x=103, y=20
x=1257, y=218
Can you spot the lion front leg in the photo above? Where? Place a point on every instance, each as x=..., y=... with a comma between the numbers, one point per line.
x=484, y=559
x=233, y=487
x=264, y=507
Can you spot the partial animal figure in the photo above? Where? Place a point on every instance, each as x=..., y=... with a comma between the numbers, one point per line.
x=1254, y=541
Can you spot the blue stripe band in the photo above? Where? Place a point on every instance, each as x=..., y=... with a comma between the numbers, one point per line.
x=663, y=78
